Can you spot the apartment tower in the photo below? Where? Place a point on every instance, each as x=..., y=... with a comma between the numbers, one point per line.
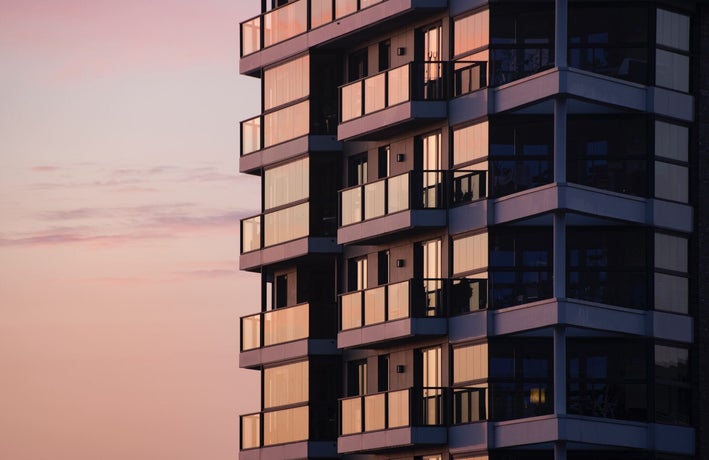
x=484, y=229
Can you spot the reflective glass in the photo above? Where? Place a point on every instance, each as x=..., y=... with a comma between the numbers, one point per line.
x=286, y=124
x=672, y=70
x=470, y=253
x=470, y=143
x=286, y=82
x=251, y=431
x=366, y=3
x=285, y=22
x=287, y=224
x=374, y=93
x=398, y=81
x=251, y=36
x=351, y=410
x=286, y=184
x=345, y=7
x=284, y=426
x=374, y=199
x=374, y=306
x=251, y=135
x=671, y=293
x=351, y=206
x=471, y=32
x=671, y=141
x=351, y=312
x=251, y=234
x=398, y=414
x=672, y=30
x=251, y=332
x=352, y=101
x=671, y=182
x=320, y=12
x=470, y=363
x=398, y=193
x=671, y=252
x=286, y=325
x=284, y=385
x=374, y=412
x=398, y=300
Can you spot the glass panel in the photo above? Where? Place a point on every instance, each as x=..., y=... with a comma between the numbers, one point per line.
x=398, y=409
x=671, y=293
x=398, y=80
x=470, y=143
x=671, y=182
x=286, y=184
x=374, y=412
x=398, y=193
x=285, y=22
x=470, y=253
x=251, y=36
x=374, y=92
x=286, y=124
x=374, y=308
x=471, y=32
x=398, y=301
x=351, y=206
x=351, y=415
x=351, y=310
x=469, y=294
x=284, y=385
x=352, y=101
x=374, y=199
x=469, y=185
x=251, y=234
x=286, y=325
x=251, y=135
x=671, y=141
x=250, y=431
x=366, y=3
x=672, y=70
x=250, y=332
x=671, y=252
x=320, y=12
x=283, y=426
x=673, y=30
x=286, y=224
x=469, y=405
x=344, y=7
x=286, y=82
x=470, y=363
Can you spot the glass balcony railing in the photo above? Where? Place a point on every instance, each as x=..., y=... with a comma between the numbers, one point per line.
x=275, y=327
x=275, y=427
x=275, y=227
x=275, y=127
x=411, y=190
x=430, y=80
x=427, y=406
x=422, y=298
x=293, y=19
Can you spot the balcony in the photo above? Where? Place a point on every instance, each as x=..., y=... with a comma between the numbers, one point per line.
x=302, y=24
x=297, y=432
x=404, y=97
x=286, y=333
x=286, y=233
x=402, y=418
x=416, y=199
x=285, y=133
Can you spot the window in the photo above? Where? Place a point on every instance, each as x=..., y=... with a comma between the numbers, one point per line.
x=383, y=373
x=672, y=389
x=285, y=385
x=672, y=53
x=470, y=143
x=357, y=273
x=357, y=65
x=384, y=55
x=286, y=184
x=358, y=170
x=671, y=278
x=470, y=363
x=383, y=161
x=286, y=82
x=383, y=267
x=430, y=161
x=671, y=156
x=471, y=33
x=470, y=253
x=357, y=378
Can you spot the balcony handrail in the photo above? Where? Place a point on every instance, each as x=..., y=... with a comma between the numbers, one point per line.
x=262, y=223
x=418, y=63
x=260, y=338
x=263, y=313
x=262, y=125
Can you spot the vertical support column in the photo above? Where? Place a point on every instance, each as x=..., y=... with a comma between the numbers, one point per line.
x=560, y=370
x=560, y=450
x=561, y=34
x=559, y=255
x=560, y=140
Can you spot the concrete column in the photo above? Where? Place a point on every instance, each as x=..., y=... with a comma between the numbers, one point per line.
x=560, y=370
x=560, y=140
x=559, y=255
x=560, y=450
x=561, y=33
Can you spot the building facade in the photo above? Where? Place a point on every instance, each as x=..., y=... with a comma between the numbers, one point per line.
x=484, y=229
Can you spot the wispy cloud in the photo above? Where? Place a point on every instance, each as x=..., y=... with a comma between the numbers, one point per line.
x=45, y=168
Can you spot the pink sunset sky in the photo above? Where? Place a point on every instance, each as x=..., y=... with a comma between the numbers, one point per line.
x=120, y=201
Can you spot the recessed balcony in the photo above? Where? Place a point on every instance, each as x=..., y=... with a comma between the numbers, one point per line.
x=402, y=418
x=416, y=199
x=286, y=233
x=405, y=310
x=296, y=432
x=286, y=333
x=302, y=24
x=402, y=98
